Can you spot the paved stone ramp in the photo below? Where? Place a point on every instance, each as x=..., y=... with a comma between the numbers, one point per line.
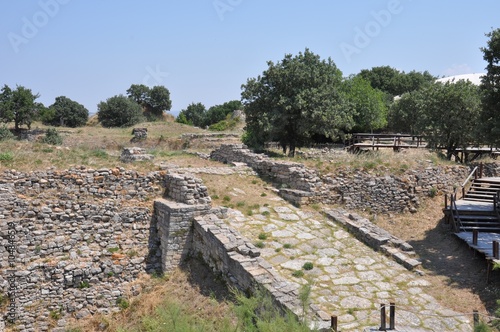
x=349, y=279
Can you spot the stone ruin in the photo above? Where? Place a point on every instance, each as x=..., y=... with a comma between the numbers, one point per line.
x=135, y=154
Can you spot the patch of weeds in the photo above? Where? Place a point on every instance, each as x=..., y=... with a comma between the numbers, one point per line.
x=263, y=195
x=6, y=157
x=215, y=196
x=266, y=205
x=262, y=236
x=240, y=204
x=266, y=213
x=254, y=181
x=132, y=253
x=110, y=274
x=287, y=246
x=122, y=303
x=98, y=153
x=84, y=284
x=5, y=133
x=277, y=250
x=249, y=212
x=308, y=266
x=298, y=274
x=316, y=207
x=433, y=192
x=38, y=162
x=55, y=314
x=260, y=244
x=255, y=206
x=113, y=250
x=226, y=198
x=38, y=249
x=351, y=311
x=369, y=165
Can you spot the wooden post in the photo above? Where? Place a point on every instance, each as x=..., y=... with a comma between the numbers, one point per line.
x=334, y=324
x=474, y=237
x=392, y=316
x=463, y=192
x=382, y=318
x=495, y=249
x=446, y=201
x=476, y=318
x=480, y=170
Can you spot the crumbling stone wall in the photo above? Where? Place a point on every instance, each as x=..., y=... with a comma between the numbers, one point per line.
x=356, y=189
x=73, y=242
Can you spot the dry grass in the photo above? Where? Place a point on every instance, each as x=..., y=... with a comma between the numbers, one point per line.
x=176, y=291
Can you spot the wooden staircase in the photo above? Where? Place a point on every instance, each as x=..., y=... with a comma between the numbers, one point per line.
x=478, y=209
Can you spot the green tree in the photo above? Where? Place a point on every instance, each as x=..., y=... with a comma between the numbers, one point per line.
x=119, y=111
x=66, y=113
x=393, y=82
x=194, y=114
x=490, y=87
x=19, y=106
x=219, y=113
x=369, y=104
x=295, y=99
x=446, y=114
x=406, y=113
x=154, y=101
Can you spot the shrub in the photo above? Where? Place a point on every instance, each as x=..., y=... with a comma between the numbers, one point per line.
x=262, y=236
x=122, y=303
x=52, y=137
x=298, y=274
x=5, y=134
x=119, y=111
x=6, y=157
x=260, y=244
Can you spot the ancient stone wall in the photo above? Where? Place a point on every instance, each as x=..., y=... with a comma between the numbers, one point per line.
x=73, y=242
x=356, y=189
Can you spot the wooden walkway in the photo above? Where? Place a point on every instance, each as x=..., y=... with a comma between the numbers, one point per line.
x=396, y=142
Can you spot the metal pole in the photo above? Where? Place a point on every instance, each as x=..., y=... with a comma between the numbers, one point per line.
x=392, y=316
x=476, y=318
x=474, y=237
x=382, y=318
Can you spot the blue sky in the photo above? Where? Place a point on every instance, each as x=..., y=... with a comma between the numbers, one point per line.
x=204, y=50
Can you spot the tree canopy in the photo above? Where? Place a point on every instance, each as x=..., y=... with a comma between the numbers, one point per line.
x=490, y=87
x=294, y=99
x=370, y=111
x=66, y=113
x=394, y=82
x=19, y=106
x=193, y=115
x=154, y=101
x=446, y=114
x=119, y=111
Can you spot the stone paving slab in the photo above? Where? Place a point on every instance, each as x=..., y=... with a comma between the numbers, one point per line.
x=349, y=279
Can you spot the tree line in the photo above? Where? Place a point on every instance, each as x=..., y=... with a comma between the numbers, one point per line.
x=302, y=99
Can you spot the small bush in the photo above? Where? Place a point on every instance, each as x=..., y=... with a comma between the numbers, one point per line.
x=298, y=274
x=308, y=266
x=263, y=195
x=262, y=236
x=226, y=198
x=5, y=134
x=433, y=192
x=240, y=204
x=84, y=284
x=287, y=246
x=52, y=137
x=113, y=250
x=266, y=213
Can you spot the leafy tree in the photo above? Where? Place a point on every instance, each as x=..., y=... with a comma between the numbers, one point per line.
x=154, y=101
x=446, y=114
x=19, y=106
x=395, y=83
x=369, y=104
x=219, y=113
x=119, y=111
x=490, y=87
x=66, y=113
x=194, y=114
x=295, y=99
